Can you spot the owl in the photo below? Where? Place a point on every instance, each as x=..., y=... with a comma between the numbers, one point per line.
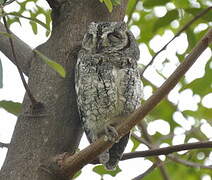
x=108, y=84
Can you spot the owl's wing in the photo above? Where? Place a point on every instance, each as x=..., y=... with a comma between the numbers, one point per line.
x=77, y=74
x=77, y=89
x=87, y=130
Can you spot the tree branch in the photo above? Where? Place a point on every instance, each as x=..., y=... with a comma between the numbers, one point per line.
x=8, y=2
x=140, y=139
x=188, y=163
x=202, y=13
x=24, y=52
x=167, y=150
x=4, y=145
x=164, y=151
x=74, y=163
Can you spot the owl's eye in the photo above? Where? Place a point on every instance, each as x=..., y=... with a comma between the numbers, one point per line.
x=114, y=36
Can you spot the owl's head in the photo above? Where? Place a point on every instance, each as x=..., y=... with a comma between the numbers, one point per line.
x=106, y=37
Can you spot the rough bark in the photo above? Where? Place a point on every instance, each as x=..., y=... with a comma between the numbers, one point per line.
x=56, y=128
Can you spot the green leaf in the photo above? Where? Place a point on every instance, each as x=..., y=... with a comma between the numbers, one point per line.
x=164, y=110
x=2, y=1
x=5, y=34
x=34, y=27
x=116, y=2
x=166, y=20
x=152, y=3
x=154, y=175
x=32, y=20
x=201, y=113
x=191, y=37
x=109, y=5
x=178, y=170
x=201, y=86
x=11, y=107
x=48, y=22
x=77, y=174
x=1, y=75
x=195, y=11
x=130, y=6
x=101, y=171
x=11, y=20
x=55, y=66
x=181, y=3
x=136, y=143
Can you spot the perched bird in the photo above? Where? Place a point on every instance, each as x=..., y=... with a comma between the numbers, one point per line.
x=108, y=84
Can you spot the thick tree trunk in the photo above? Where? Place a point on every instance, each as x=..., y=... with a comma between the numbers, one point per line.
x=56, y=129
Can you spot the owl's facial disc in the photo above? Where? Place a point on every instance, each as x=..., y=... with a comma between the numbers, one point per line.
x=114, y=36
x=112, y=41
x=106, y=37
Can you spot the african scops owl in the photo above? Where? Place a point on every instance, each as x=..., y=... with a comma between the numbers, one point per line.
x=108, y=84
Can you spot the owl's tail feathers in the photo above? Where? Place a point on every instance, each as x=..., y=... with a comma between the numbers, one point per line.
x=115, y=153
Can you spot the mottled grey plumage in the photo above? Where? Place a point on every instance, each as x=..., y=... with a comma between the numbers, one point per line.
x=108, y=84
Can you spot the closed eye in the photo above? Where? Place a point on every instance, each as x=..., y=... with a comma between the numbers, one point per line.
x=114, y=36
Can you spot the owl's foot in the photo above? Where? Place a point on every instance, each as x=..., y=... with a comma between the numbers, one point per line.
x=60, y=158
x=111, y=134
x=104, y=157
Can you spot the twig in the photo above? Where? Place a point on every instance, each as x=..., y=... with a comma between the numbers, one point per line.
x=74, y=163
x=188, y=163
x=131, y=12
x=33, y=101
x=167, y=150
x=8, y=2
x=4, y=145
x=178, y=33
x=146, y=172
x=140, y=139
x=164, y=151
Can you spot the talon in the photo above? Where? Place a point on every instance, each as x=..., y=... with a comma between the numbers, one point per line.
x=111, y=134
x=104, y=157
x=60, y=158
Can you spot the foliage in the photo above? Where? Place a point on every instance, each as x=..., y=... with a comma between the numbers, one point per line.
x=110, y=3
x=152, y=18
x=11, y=107
x=55, y=66
x=99, y=169
x=14, y=16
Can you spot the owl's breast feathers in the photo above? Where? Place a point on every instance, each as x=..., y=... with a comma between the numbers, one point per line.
x=107, y=87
